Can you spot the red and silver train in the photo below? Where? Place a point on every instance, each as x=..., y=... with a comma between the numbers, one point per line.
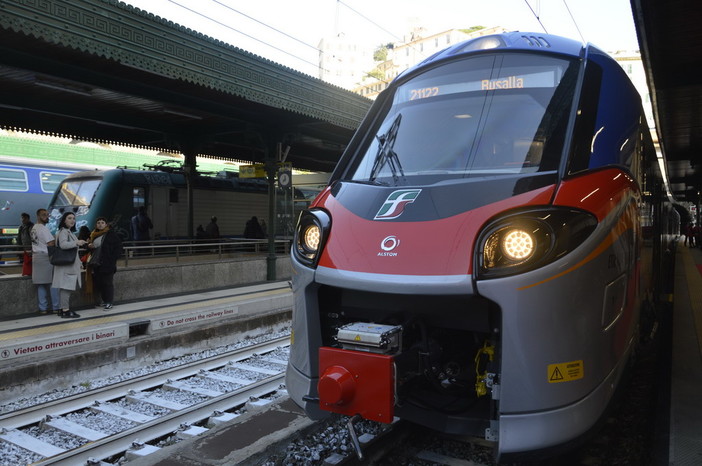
x=480, y=257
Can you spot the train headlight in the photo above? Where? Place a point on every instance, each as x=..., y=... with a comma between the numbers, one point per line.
x=311, y=233
x=523, y=241
x=518, y=245
x=311, y=238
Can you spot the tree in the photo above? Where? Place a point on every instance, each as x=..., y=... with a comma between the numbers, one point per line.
x=377, y=74
x=472, y=29
x=381, y=53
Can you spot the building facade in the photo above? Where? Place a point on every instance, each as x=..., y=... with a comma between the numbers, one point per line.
x=416, y=46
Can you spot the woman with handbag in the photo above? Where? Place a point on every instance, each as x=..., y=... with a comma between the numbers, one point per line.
x=105, y=248
x=67, y=276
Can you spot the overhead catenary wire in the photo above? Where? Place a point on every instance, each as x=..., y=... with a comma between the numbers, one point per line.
x=274, y=47
x=574, y=22
x=266, y=25
x=316, y=65
x=536, y=16
x=373, y=22
x=368, y=19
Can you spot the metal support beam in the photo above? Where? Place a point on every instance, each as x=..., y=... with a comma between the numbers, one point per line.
x=189, y=149
x=272, y=155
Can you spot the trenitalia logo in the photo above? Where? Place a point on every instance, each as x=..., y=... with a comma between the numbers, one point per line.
x=395, y=204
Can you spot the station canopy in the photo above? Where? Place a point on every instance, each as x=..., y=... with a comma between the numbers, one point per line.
x=670, y=38
x=104, y=71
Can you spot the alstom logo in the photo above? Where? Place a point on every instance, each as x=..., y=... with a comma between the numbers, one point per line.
x=396, y=202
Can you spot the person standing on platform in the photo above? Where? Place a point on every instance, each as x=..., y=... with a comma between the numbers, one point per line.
x=212, y=229
x=84, y=233
x=105, y=248
x=24, y=239
x=253, y=229
x=42, y=270
x=67, y=277
x=141, y=224
x=200, y=232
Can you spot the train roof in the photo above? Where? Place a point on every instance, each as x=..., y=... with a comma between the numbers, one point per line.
x=513, y=41
x=86, y=173
x=158, y=177
x=131, y=171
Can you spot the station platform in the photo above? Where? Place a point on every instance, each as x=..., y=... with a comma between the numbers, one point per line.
x=685, y=423
x=53, y=352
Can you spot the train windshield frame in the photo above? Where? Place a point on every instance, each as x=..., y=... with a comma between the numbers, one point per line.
x=77, y=192
x=487, y=115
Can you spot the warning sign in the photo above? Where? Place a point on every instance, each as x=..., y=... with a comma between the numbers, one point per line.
x=565, y=371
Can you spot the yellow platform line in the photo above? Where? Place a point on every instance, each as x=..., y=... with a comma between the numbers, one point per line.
x=131, y=316
x=694, y=287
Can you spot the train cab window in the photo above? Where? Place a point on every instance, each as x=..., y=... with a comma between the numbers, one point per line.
x=13, y=180
x=50, y=181
x=487, y=115
x=77, y=192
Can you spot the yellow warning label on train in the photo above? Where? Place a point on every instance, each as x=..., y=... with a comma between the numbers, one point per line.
x=565, y=371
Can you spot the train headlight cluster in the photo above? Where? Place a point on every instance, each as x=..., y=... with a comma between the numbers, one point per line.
x=312, y=230
x=523, y=241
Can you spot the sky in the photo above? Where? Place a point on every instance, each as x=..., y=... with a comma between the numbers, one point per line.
x=288, y=32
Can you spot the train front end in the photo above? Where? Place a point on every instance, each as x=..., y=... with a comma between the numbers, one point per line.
x=463, y=270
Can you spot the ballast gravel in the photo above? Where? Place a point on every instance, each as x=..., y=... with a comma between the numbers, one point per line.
x=100, y=421
x=12, y=455
x=39, y=398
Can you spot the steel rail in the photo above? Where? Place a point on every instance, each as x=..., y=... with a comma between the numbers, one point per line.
x=78, y=401
x=165, y=425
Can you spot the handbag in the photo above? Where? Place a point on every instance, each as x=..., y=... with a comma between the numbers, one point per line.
x=58, y=256
x=94, y=259
x=27, y=264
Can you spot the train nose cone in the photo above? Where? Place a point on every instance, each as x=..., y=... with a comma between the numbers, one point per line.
x=336, y=386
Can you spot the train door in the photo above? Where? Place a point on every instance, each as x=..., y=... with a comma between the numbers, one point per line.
x=131, y=197
x=162, y=208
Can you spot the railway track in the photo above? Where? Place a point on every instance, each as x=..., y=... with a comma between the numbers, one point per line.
x=105, y=423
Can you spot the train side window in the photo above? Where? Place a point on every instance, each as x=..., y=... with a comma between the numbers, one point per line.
x=585, y=126
x=50, y=181
x=138, y=196
x=610, y=118
x=637, y=161
x=13, y=180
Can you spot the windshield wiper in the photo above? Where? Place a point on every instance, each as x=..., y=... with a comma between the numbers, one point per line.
x=386, y=154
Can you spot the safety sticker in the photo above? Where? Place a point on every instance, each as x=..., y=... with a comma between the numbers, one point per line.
x=565, y=371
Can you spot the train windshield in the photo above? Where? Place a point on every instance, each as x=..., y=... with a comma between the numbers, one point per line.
x=76, y=192
x=481, y=116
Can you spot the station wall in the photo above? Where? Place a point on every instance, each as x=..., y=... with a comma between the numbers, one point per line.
x=19, y=296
